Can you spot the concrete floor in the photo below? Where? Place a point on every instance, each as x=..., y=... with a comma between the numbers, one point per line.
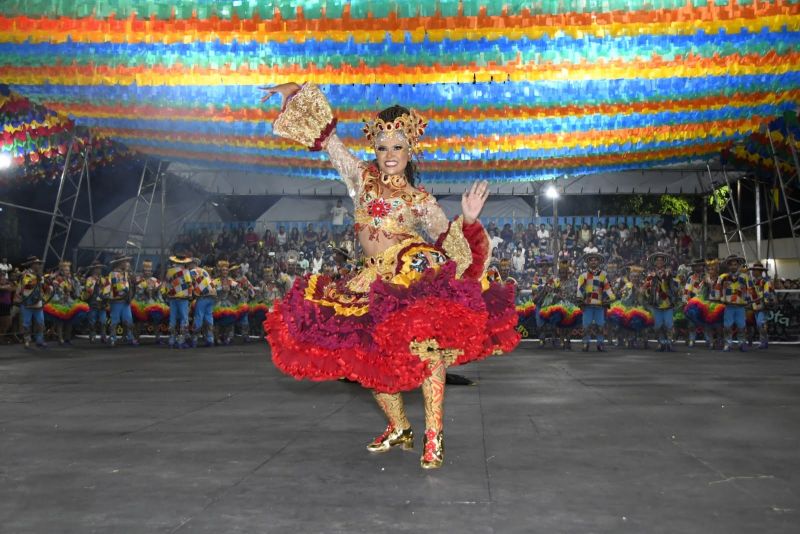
x=217, y=441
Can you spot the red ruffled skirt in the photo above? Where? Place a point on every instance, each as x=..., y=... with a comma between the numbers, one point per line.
x=379, y=326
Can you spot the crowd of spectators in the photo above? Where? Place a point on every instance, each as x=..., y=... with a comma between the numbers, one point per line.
x=621, y=244
x=310, y=250
x=310, y=247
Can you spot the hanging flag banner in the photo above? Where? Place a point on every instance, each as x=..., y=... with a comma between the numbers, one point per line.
x=512, y=90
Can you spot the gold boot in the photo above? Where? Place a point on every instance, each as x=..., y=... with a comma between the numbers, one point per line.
x=433, y=450
x=392, y=437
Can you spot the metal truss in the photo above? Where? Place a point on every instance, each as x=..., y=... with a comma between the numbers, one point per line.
x=63, y=214
x=787, y=175
x=149, y=182
x=729, y=218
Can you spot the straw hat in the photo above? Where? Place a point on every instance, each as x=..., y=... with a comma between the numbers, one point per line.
x=734, y=257
x=119, y=258
x=651, y=259
x=586, y=257
x=180, y=259
x=30, y=260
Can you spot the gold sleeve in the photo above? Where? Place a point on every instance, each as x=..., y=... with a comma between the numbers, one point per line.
x=307, y=118
x=457, y=247
x=433, y=219
x=346, y=164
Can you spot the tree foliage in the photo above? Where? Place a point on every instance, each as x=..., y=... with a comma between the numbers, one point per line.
x=719, y=198
x=675, y=205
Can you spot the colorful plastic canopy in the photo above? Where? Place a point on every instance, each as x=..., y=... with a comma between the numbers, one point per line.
x=513, y=90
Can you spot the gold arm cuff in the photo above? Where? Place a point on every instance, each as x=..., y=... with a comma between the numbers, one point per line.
x=457, y=248
x=307, y=119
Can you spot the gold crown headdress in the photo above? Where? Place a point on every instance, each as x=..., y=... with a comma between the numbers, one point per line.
x=410, y=124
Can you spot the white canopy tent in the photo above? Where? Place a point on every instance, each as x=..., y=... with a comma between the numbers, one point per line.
x=684, y=179
x=292, y=211
x=495, y=208
x=111, y=232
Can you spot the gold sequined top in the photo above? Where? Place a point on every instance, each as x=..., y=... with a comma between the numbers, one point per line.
x=385, y=208
x=382, y=204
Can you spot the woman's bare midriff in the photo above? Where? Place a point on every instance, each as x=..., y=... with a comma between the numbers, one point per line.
x=373, y=247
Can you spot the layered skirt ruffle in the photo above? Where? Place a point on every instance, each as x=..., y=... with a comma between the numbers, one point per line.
x=633, y=318
x=69, y=312
x=562, y=314
x=227, y=313
x=704, y=312
x=414, y=309
x=150, y=311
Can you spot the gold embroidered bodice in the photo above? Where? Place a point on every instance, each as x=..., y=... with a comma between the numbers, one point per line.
x=387, y=210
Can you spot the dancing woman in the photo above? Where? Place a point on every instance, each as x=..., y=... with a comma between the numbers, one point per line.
x=416, y=306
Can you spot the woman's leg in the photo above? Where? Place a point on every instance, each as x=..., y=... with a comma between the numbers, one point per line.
x=392, y=406
x=398, y=431
x=433, y=396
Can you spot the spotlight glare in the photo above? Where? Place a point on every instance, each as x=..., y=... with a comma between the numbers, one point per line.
x=551, y=192
x=5, y=160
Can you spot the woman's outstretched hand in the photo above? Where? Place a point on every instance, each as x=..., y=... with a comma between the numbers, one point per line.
x=472, y=201
x=285, y=90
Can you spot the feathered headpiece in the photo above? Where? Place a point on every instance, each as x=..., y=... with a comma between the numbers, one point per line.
x=411, y=124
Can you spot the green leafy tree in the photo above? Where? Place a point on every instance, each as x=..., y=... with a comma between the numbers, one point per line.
x=719, y=198
x=675, y=205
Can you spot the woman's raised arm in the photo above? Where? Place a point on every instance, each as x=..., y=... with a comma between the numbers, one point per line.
x=307, y=118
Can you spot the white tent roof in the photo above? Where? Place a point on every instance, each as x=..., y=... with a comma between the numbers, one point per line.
x=495, y=207
x=677, y=180
x=304, y=209
x=111, y=232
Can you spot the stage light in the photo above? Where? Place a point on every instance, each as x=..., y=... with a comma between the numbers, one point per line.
x=551, y=192
x=5, y=160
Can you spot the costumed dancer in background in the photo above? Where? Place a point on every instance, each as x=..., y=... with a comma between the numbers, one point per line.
x=96, y=292
x=695, y=288
x=662, y=293
x=567, y=287
x=558, y=309
x=594, y=292
x=735, y=292
x=226, y=308
x=148, y=306
x=415, y=307
x=177, y=289
x=615, y=330
x=64, y=304
x=286, y=279
x=344, y=265
x=630, y=313
x=616, y=277
x=244, y=294
x=504, y=271
x=120, y=280
x=763, y=300
x=264, y=293
x=543, y=287
x=205, y=294
x=269, y=287
x=715, y=309
x=30, y=297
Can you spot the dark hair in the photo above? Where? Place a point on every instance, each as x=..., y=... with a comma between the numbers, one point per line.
x=390, y=114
